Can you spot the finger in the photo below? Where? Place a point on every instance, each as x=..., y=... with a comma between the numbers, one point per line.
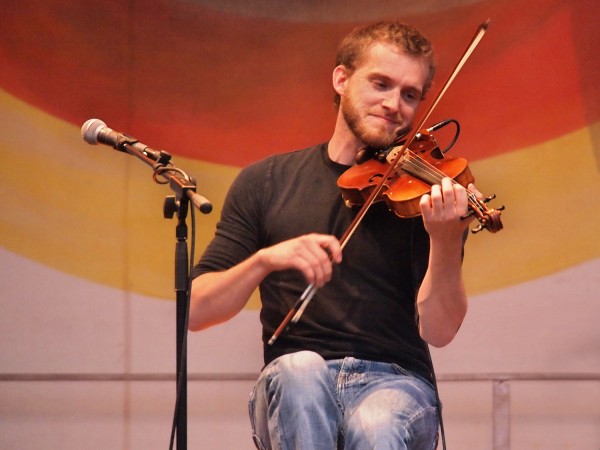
x=436, y=198
x=460, y=199
x=311, y=269
x=312, y=262
x=333, y=248
x=316, y=255
x=448, y=191
x=425, y=205
x=471, y=187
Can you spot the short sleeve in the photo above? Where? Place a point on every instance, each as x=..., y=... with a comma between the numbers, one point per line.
x=238, y=232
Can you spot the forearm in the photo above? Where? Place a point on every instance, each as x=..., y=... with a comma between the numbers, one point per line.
x=442, y=299
x=218, y=296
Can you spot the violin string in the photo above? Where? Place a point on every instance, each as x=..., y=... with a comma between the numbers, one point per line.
x=419, y=164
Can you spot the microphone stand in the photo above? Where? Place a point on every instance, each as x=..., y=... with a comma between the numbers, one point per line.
x=184, y=188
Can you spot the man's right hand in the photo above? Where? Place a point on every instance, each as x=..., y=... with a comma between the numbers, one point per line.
x=312, y=254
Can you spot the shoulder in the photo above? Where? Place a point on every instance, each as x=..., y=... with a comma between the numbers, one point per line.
x=258, y=179
x=283, y=163
x=292, y=157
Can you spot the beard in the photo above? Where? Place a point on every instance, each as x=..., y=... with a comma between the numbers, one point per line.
x=375, y=138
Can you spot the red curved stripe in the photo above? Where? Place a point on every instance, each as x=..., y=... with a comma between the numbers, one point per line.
x=230, y=89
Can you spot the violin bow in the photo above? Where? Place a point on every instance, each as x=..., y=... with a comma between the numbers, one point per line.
x=294, y=315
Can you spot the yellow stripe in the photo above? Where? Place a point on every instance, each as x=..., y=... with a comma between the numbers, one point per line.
x=91, y=211
x=96, y=213
x=551, y=192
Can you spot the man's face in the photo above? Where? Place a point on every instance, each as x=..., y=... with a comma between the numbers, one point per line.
x=381, y=96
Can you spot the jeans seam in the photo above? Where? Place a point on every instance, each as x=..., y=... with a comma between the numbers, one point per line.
x=255, y=438
x=419, y=415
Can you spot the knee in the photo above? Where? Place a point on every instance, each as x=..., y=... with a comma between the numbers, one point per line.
x=373, y=420
x=392, y=417
x=299, y=368
x=375, y=427
x=302, y=361
x=302, y=376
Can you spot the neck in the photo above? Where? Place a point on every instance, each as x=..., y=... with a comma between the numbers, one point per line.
x=344, y=145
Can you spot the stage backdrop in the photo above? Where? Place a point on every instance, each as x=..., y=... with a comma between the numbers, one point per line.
x=87, y=257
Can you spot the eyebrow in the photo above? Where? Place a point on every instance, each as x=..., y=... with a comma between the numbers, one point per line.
x=382, y=76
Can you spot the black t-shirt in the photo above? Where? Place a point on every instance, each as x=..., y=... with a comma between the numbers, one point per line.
x=367, y=310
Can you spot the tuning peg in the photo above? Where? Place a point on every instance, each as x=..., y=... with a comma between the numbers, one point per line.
x=469, y=213
x=489, y=198
x=478, y=229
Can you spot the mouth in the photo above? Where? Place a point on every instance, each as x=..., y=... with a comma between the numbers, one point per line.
x=393, y=122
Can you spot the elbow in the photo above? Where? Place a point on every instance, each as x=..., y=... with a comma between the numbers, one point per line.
x=438, y=339
x=440, y=335
x=199, y=321
x=194, y=325
x=194, y=322
x=202, y=316
x=206, y=312
x=438, y=326
x=199, y=317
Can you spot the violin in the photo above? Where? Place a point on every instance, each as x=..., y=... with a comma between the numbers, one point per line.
x=418, y=167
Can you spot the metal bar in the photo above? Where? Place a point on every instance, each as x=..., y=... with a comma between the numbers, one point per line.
x=521, y=376
x=249, y=376
x=125, y=377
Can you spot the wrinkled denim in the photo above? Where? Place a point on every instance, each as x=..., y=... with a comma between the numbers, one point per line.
x=301, y=402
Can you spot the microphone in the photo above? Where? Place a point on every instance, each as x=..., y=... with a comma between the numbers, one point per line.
x=95, y=131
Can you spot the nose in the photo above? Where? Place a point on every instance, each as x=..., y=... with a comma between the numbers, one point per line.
x=391, y=100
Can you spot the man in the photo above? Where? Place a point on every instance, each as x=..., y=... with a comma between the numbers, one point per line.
x=354, y=372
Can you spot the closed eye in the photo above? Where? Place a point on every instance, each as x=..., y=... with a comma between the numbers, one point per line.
x=380, y=85
x=412, y=95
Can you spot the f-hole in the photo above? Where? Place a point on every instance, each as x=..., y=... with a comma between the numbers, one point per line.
x=377, y=176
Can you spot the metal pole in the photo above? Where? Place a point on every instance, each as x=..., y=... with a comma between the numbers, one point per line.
x=501, y=415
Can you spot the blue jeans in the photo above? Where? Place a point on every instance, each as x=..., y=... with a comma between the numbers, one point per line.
x=302, y=401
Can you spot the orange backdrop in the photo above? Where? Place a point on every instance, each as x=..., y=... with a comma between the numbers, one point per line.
x=219, y=85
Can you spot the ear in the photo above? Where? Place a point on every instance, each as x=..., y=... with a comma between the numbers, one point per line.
x=340, y=79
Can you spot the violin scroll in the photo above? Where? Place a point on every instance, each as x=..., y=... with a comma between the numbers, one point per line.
x=489, y=219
